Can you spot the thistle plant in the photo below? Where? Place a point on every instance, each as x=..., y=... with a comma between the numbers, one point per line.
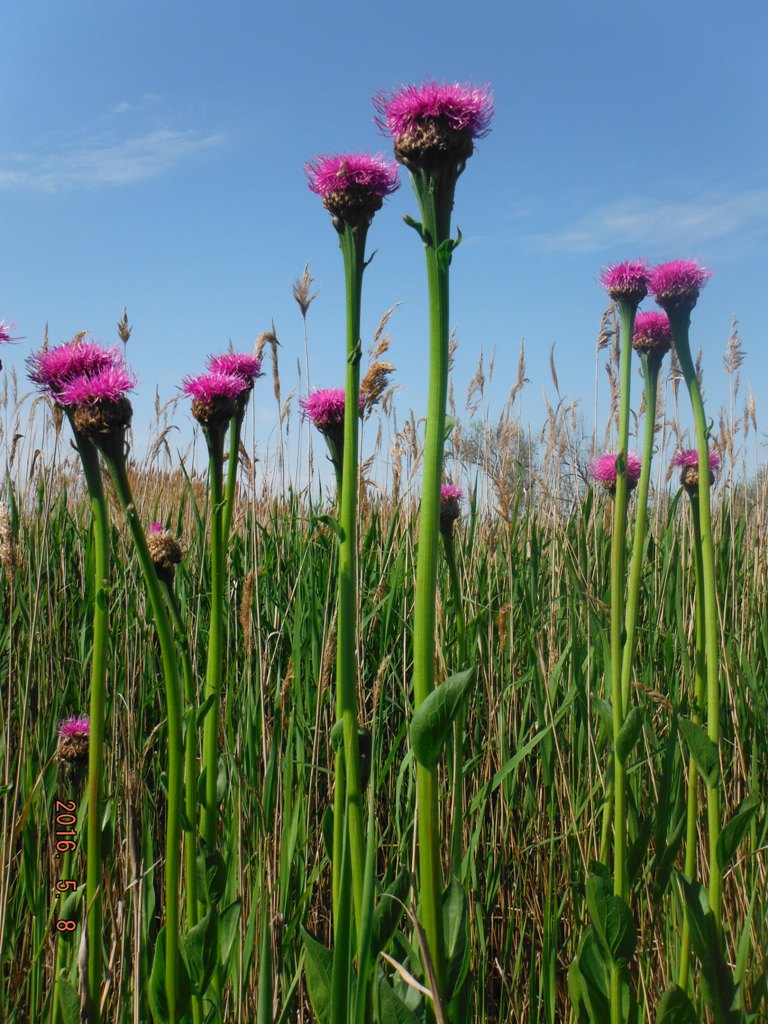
x=676, y=287
x=352, y=187
x=324, y=408
x=434, y=128
x=57, y=372
x=627, y=285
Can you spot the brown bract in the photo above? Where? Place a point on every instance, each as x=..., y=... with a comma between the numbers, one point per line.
x=101, y=419
x=166, y=553
x=354, y=205
x=433, y=144
x=72, y=749
x=217, y=410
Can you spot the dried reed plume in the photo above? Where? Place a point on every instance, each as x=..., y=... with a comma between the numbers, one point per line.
x=301, y=289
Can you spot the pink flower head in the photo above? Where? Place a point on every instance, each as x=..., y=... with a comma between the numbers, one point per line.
x=75, y=727
x=464, y=108
x=626, y=281
x=207, y=387
x=676, y=285
x=688, y=458
x=352, y=172
x=51, y=369
x=352, y=186
x=109, y=384
x=603, y=470
x=325, y=408
x=240, y=363
x=449, y=492
x=5, y=333
x=652, y=333
x=156, y=528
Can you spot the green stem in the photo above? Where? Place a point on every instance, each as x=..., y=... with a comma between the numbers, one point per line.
x=215, y=439
x=100, y=519
x=119, y=477
x=691, y=833
x=435, y=195
x=352, y=242
x=680, y=321
x=235, y=427
x=190, y=772
x=651, y=365
x=460, y=722
x=618, y=556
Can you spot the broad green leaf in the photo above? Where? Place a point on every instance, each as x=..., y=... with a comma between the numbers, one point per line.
x=703, y=750
x=734, y=832
x=455, y=928
x=69, y=1001
x=629, y=733
x=318, y=967
x=716, y=979
x=391, y=1007
x=612, y=920
x=388, y=911
x=676, y=1008
x=431, y=723
x=158, y=996
x=228, y=930
x=198, y=947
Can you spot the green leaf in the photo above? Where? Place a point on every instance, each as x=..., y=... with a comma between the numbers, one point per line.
x=389, y=910
x=198, y=947
x=318, y=967
x=228, y=930
x=204, y=708
x=332, y=523
x=69, y=1002
x=211, y=875
x=158, y=997
x=605, y=713
x=717, y=985
x=450, y=423
x=612, y=921
x=392, y=1010
x=432, y=721
x=455, y=929
x=734, y=832
x=676, y=1008
x=594, y=974
x=629, y=733
x=703, y=751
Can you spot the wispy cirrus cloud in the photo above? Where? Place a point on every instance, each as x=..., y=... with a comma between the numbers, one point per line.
x=640, y=222
x=105, y=161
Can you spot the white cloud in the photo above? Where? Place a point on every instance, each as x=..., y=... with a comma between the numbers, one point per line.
x=105, y=162
x=641, y=222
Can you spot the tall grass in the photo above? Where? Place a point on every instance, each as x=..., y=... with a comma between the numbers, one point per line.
x=533, y=560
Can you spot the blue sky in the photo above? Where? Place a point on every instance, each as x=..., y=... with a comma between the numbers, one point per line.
x=151, y=155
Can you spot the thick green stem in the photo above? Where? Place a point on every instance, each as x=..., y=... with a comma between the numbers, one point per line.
x=460, y=722
x=119, y=476
x=691, y=833
x=651, y=365
x=436, y=200
x=618, y=557
x=235, y=427
x=190, y=773
x=680, y=321
x=215, y=439
x=352, y=241
x=100, y=520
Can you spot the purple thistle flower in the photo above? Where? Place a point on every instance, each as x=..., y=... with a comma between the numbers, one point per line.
x=75, y=726
x=434, y=125
x=450, y=492
x=325, y=407
x=652, y=333
x=626, y=281
x=156, y=528
x=603, y=470
x=240, y=363
x=345, y=172
x=676, y=285
x=5, y=333
x=464, y=108
x=352, y=186
x=689, y=457
x=207, y=387
x=51, y=369
x=109, y=384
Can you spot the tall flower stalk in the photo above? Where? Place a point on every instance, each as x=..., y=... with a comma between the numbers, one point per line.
x=59, y=372
x=688, y=462
x=434, y=128
x=352, y=187
x=676, y=286
x=627, y=285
